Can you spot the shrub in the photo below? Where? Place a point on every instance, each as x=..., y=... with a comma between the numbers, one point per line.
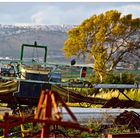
x=123, y=78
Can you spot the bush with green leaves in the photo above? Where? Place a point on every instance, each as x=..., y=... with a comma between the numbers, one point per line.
x=122, y=78
x=114, y=78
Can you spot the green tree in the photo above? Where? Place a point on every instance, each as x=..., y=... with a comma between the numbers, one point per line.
x=107, y=38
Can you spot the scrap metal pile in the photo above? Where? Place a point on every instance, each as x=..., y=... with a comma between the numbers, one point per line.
x=130, y=118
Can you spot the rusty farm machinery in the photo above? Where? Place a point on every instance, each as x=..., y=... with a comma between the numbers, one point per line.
x=25, y=85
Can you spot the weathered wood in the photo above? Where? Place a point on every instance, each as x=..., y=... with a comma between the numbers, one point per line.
x=129, y=135
x=77, y=97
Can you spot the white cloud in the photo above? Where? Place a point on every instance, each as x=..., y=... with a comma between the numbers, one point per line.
x=124, y=9
x=45, y=15
x=38, y=18
x=57, y=15
x=60, y=13
x=78, y=14
x=130, y=9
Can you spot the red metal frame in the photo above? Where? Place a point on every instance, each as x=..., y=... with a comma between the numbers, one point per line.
x=47, y=114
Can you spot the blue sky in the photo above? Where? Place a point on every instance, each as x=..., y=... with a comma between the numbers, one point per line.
x=59, y=12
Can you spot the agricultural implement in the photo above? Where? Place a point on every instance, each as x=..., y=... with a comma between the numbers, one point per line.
x=22, y=82
x=21, y=85
x=47, y=114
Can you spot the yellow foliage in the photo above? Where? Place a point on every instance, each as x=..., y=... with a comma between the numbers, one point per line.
x=119, y=30
x=112, y=16
x=98, y=34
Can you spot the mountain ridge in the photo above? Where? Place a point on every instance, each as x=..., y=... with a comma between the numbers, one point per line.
x=13, y=36
x=52, y=36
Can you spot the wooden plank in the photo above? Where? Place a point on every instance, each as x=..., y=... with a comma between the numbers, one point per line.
x=77, y=96
x=128, y=135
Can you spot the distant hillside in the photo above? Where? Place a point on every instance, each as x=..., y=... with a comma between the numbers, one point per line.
x=12, y=37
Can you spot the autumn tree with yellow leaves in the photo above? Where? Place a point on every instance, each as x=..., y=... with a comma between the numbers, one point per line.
x=107, y=38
